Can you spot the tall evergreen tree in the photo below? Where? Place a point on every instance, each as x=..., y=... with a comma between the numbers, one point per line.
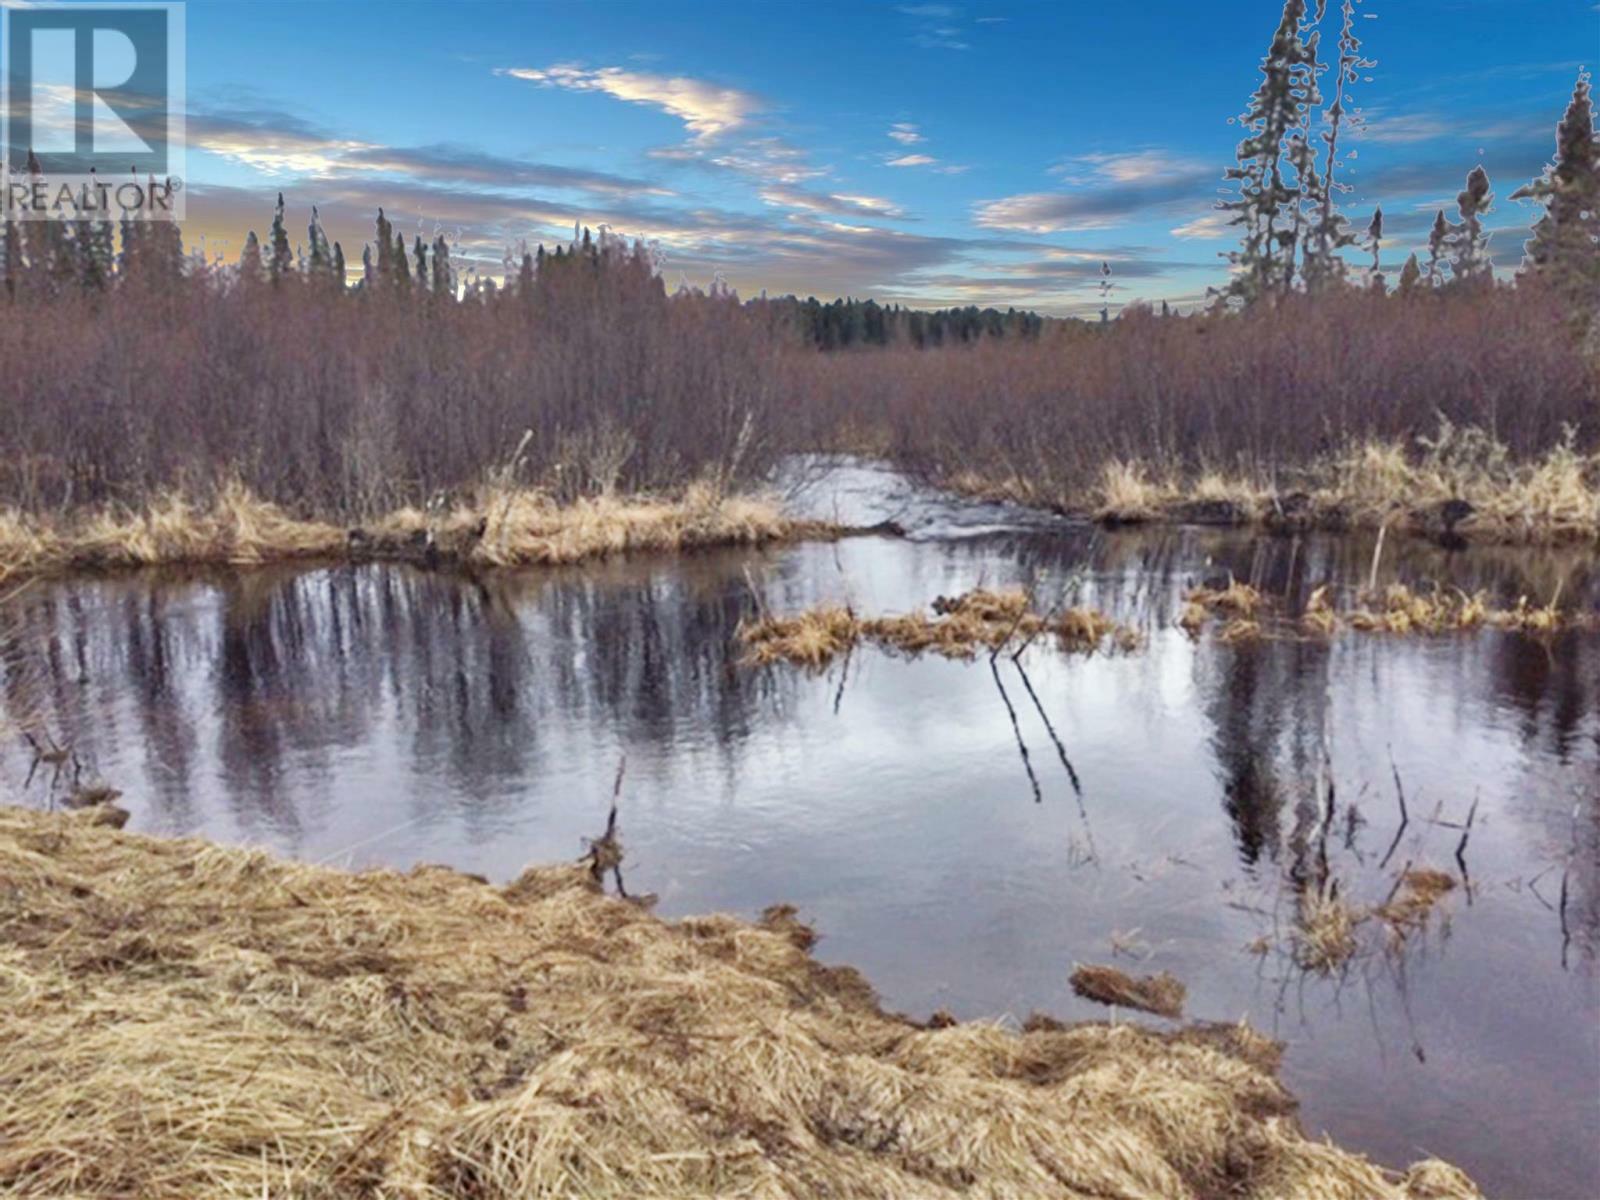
x=444, y=283
x=1330, y=235
x=1438, y=242
x=1469, y=240
x=1264, y=209
x=419, y=251
x=281, y=264
x=250, y=260
x=1565, y=247
x=1375, y=241
x=397, y=262
x=385, y=240
x=1410, y=275
x=338, y=265
x=321, y=268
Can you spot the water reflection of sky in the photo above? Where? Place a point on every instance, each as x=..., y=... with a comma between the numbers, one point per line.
x=378, y=715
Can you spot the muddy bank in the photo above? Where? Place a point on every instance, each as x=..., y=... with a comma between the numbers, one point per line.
x=186, y=1019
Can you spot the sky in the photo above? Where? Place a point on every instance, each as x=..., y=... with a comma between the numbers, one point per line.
x=929, y=154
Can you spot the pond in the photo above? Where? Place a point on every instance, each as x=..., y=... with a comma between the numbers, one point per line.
x=921, y=813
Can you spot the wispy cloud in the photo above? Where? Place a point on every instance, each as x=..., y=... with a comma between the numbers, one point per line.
x=839, y=204
x=912, y=160
x=1105, y=190
x=277, y=143
x=936, y=27
x=905, y=133
x=707, y=110
x=1205, y=227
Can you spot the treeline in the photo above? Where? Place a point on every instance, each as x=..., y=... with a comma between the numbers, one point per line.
x=580, y=375
x=841, y=324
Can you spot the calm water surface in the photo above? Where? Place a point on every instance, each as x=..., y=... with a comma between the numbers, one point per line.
x=365, y=715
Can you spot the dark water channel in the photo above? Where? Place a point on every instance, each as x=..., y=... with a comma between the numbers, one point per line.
x=383, y=715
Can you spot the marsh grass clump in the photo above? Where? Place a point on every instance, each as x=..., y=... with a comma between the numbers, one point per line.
x=1403, y=610
x=1420, y=890
x=959, y=627
x=1324, y=934
x=813, y=638
x=494, y=526
x=185, y=1019
x=1464, y=481
x=1160, y=994
x=1329, y=931
x=1237, y=599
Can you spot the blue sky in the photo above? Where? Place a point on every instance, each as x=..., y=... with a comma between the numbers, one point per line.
x=921, y=153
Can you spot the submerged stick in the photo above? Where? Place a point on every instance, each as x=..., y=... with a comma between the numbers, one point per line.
x=1061, y=750
x=1405, y=817
x=1461, y=846
x=1566, y=934
x=1038, y=796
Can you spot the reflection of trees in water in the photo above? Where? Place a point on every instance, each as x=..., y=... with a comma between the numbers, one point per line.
x=479, y=681
x=1268, y=701
x=283, y=671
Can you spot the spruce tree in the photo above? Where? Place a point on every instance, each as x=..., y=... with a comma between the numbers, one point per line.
x=1470, y=242
x=1375, y=240
x=444, y=284
x=419, y=251
x=1438, y=241
x=385, y=268
x=397, y=261
x=321, y=267
x=338, y=265
x=1264, y=208
x=1410, y=275
x=1565, y=247
x=281, y=264
x=250, y=259
x=1330, y=235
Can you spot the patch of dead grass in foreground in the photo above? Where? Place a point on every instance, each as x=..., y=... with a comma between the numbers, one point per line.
x=183, y=1019
x=494, y=526
x=959, y=627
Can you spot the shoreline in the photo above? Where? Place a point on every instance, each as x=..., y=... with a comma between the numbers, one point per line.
x=1553, y=500
x=492, y=529
x=186, y=1018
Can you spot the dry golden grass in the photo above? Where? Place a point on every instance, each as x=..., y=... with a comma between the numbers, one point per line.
x=811, y=639
x=1324, y=934
x=1369, y=484
x=1553, y=498
x=1160, y=994
x=1327, y=931
x=959, y=628
x=1420, y=890
x=496, y=527
x=181, y=1019
x=1126, y=493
